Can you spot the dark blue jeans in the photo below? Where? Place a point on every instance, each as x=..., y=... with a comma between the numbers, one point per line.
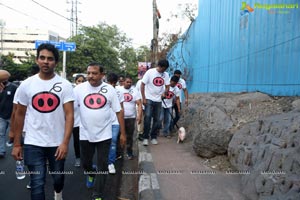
x=35, y=158
x=152, y=110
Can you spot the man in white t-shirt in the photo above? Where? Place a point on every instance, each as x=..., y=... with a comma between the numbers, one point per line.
x=140, y=126
x=171, y=98
x=47, y=100
x=115, y=149
x=154, y=87
x=96, y=99
x=182, y=87
x=132, y=112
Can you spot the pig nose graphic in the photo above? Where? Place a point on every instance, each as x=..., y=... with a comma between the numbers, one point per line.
x=170, y=95
x=45, y=102
x=128, y=97
x=95, y=101
x=158, y=81
x=179, y=85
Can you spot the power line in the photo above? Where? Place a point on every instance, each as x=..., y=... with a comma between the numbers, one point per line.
x=52, y=11
x=27, y=15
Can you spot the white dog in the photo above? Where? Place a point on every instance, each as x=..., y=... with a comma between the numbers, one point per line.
x=181, y=134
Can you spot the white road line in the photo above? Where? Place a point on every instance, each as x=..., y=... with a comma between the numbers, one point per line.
x=144, y=156
x=148, y=181
x=154, y=181
x=144, y=182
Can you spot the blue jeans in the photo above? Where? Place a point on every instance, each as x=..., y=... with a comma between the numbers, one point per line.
x=152, y=110
x=4, y=130
x=35, y=158
x=166, y=117
x=113, y=145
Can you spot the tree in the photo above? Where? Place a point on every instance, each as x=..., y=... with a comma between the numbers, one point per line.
x=101, y=43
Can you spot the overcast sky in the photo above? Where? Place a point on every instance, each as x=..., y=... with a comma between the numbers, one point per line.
x=133, y=17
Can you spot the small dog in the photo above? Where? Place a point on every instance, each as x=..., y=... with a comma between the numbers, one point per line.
x=181, y=135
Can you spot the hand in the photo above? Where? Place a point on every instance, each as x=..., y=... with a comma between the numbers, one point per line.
x=123, y=140
x=186, y=102
x=138, y=120
x=17, y=152
x=61, y=152
x=144, y=102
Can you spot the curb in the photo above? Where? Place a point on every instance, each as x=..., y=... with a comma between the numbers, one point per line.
x=148, y=183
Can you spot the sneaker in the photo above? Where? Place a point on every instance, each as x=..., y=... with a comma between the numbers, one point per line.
x=111, y=169
x=145, y=142
x=90, y=181
x=77, y=162
x=57, y=196
x=28, y=186
x=140, y=137
x=130, y=156
x=9, y=143
x=119, y=157
x=154, y=141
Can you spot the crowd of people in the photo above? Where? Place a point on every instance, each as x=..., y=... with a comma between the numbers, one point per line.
x=102, y=113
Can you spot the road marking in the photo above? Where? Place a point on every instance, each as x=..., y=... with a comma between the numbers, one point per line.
x=148, y=182
x=144, y=156
x=154, y=181
x=144, y=182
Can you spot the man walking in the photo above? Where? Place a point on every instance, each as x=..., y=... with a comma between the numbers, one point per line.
x=132, y=112
x=7, y=92
x=182, y=87
x=96, y=101
x=154, y=87
x=47, y=99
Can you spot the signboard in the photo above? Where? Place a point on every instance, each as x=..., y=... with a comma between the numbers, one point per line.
x=62, y=46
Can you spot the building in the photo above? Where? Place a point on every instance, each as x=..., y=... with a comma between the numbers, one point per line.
x=21, y=42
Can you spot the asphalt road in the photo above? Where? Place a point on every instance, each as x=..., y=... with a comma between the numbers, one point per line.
x=13, y=189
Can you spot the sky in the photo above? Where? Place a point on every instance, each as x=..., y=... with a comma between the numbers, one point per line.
x=133, y=17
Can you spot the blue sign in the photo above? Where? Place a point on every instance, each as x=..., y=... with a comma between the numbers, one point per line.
x=62, y=46
x=68, y=46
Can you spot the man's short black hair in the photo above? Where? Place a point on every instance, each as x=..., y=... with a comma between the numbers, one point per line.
x=49, y=47
x=163, y=63
x=177, y=71
x=112, y=78
x=175, y=79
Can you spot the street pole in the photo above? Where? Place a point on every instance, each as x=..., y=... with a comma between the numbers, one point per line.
x=154, y=42
x=64, y=75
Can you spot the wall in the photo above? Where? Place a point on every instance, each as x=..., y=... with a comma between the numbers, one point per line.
x=229, y=49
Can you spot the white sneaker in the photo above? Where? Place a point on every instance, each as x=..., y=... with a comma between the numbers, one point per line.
x=9, y=143
x=111, y=169
x=154, y=141
x=58, y=196
x=77, y=162
x=145, y=142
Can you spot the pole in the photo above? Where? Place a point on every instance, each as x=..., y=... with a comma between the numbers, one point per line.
x=154, y=42
x=64, y=75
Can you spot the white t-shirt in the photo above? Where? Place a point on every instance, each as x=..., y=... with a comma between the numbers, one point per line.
x=45, y=116
x=172, y=94
x=76, y=115
x=95, y=104
x=181, y=85
x=155, y=84
x=131, y=95
x=120, y=94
